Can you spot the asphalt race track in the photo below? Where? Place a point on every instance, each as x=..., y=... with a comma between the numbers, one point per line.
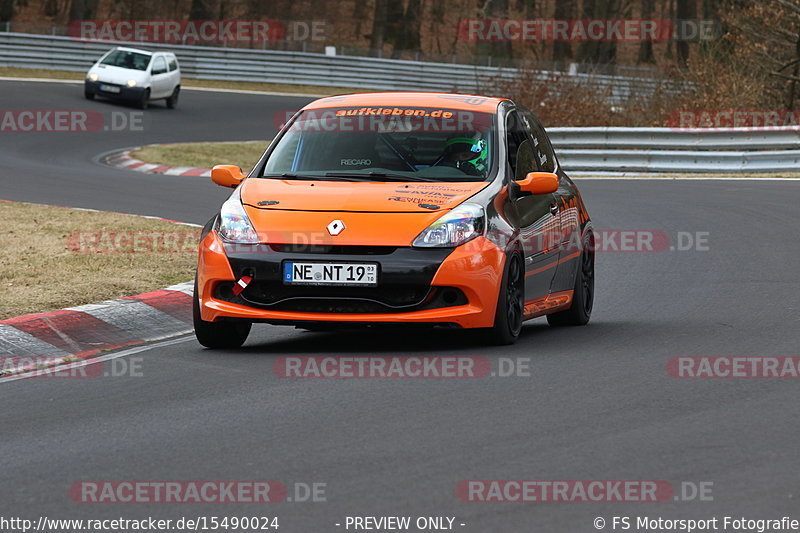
x=598, y=404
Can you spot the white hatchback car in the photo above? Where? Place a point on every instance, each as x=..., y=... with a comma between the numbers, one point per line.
x=135, y=75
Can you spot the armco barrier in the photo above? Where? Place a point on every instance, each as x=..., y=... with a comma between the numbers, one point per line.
x=237, y=64
x=734, y=150
x=582, y=149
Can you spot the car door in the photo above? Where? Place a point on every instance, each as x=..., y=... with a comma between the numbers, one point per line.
x=174, y=73
x=159, y=76
x=536, y=215
x=570, y=241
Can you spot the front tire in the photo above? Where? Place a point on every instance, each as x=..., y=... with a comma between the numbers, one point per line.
x=88, y=93
x=217, y=335
x=144, y=100
x=510, y=304
x=580, y=311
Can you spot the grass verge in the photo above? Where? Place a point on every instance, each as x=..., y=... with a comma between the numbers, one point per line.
x=203, y=155
x=246, y=154
x=56, y=257
x=311, y=90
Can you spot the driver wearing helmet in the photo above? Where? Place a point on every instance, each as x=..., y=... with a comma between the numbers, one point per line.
x=468, y=154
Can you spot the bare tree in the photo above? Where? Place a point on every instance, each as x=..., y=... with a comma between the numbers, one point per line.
x=646, y=47
x=686, y=10
x=600, y=53
x=497, y=50
x=204, y=10
x=562, y=50
x=405, y=26
x=7, y=9
x=83, y=9
x=378, y=36
x=359, y=18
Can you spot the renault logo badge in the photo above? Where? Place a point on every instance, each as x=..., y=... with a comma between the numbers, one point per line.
x=336, y=227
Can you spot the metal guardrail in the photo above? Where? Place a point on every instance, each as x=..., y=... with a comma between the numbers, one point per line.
x=320, y=45
x=580, y=149
x=734, y=150
x=271, y=66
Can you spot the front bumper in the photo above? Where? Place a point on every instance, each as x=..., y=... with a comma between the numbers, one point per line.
x=455, y=287
x=125, y=92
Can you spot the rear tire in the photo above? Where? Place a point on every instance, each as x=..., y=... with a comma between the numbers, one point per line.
x=144, y=100
x=217, y=335
x=510, y=303
x=580, y=311
x=172, y=101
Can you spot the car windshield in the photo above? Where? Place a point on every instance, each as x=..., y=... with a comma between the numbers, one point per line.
x=127, y=59
x=384, y=143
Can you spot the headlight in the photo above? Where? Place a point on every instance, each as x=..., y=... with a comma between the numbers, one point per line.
x=233, y=224
x=93, y=76
x=460, y=225
x=131, y=83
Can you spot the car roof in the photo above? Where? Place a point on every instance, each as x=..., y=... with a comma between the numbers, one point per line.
x=136, y=50
x=470, y=102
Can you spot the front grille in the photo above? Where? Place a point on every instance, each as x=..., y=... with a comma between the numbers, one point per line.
x=319, y=299
x=332, y=249
x=332, y=306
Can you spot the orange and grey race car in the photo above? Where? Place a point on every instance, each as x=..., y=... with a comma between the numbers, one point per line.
x=398, y=208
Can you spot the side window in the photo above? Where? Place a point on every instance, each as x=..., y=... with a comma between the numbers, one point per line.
x=545, y=157
x=521, y=153
x=159, y=66
x=173, y=64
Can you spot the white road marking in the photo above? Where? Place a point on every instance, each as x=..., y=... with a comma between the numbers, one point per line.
x=245, y=91
x=185, y=287
x=206, y=89
x=100, y=359
x=48, y=80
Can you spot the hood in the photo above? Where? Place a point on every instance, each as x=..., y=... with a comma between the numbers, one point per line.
x=362, y=196
x=372, y=213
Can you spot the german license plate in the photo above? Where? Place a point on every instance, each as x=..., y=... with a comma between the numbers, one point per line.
x=299, y=273
x=109, y=88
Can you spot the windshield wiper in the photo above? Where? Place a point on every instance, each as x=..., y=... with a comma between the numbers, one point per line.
x=382, y=175
x=348, y=176
x=293, y=176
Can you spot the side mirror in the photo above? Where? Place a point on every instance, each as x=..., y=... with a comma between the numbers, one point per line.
x=227, y=175
x=539, y=183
